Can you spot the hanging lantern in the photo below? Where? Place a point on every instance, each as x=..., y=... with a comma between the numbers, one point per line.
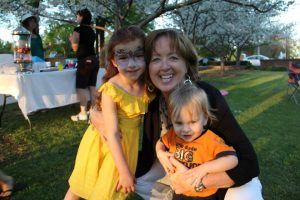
x=21, y=47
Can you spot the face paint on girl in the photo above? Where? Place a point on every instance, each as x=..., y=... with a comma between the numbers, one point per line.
x=126, y=58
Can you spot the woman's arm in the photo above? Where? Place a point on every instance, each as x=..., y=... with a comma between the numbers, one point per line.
x=112, y=135
x=228, y=128
x=74, y=39
x=213, y=180
x=96, y=118
x=214, y=166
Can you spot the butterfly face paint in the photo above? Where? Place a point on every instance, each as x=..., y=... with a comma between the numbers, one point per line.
x=130, y=58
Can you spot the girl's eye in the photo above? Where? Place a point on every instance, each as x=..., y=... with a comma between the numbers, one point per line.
x=140, y=55
x=122, y=57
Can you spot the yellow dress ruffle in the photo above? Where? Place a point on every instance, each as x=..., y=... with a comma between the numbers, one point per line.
x=95, y=175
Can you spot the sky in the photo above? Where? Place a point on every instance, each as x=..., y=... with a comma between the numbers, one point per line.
x=291, y=16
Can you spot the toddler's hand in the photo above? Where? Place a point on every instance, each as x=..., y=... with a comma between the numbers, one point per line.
x=164, y=159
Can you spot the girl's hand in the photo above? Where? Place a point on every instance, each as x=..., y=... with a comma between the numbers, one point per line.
x=126, y=182
x=164, y=158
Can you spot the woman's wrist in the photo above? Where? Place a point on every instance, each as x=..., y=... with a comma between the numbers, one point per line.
x=217, y=180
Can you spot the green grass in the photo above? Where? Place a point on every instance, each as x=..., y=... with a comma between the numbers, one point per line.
x=42, y=159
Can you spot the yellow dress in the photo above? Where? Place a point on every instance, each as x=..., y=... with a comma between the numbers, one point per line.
x=95, y=175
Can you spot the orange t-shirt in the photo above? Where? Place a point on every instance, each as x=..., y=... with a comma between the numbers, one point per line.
x=208, y=146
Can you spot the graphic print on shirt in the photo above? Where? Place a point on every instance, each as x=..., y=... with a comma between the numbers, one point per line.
x=184, y=154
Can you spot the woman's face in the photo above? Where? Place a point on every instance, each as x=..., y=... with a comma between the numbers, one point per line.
x=78, y=18
x=32, y=23
x=166, y=68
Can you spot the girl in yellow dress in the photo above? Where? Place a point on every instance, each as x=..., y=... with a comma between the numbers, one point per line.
x=106, y=162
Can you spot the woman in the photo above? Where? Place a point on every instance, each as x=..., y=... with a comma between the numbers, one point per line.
x=82, y=41
x=171, y=58
x=31, y=23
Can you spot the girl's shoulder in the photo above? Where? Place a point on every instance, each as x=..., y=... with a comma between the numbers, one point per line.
x=118, y=93
x=111, y=89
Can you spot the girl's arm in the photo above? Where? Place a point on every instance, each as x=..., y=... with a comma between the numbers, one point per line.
x=74, y=39
x=112, y=135
x=164, y=157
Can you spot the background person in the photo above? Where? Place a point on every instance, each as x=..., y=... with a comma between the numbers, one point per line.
x=170, y=58
x=31, y=23
x=82, y=41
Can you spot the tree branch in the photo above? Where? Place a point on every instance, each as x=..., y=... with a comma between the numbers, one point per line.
x=163, y=9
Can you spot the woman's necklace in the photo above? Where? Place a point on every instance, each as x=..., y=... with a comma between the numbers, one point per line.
x=165, y=120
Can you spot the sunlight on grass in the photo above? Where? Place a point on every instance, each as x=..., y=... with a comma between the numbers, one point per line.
x=255, y=81
x=253, y=112
x=43, y=158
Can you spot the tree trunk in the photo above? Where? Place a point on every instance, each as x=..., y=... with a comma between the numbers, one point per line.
x=238, y=56
x=222, y=65
x=100, y=41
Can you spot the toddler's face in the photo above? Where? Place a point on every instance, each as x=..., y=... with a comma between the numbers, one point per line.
x=189, y=125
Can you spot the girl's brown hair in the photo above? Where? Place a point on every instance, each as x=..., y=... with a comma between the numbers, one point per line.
x=123, y=35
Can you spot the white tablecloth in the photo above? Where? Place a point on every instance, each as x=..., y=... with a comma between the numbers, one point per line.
x=42, y=90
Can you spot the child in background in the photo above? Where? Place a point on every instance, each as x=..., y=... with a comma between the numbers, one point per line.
x=190, y=143
x=105, y=166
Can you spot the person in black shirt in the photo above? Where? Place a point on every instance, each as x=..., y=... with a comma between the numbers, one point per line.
x=82, y=41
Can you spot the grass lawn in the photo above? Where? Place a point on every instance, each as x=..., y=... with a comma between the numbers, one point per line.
x=41, y=160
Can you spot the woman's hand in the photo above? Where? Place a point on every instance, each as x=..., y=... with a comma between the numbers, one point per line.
x=126, y=182
x=195, y=174
x=179, y=183
x=74, y=40
x=96, y=118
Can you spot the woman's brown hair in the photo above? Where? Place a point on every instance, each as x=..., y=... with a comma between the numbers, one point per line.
x=180, y=44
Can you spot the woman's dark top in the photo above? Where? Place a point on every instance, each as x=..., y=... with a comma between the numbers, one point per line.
x=36, y=45
x=86, y=41
x=225, y=126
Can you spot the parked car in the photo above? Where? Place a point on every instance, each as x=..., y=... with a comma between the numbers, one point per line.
x=204, y=61
x=255, y=59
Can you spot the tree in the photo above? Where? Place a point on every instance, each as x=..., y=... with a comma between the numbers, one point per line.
x=5, y=47
x=115, y=14
x=224, y=28
x=58, y=35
